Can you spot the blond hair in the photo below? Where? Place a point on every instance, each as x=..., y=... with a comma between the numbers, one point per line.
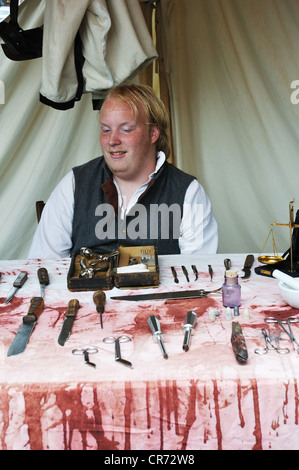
x=144, y=96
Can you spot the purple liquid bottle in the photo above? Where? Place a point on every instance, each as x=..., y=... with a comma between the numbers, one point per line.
x=231, y=290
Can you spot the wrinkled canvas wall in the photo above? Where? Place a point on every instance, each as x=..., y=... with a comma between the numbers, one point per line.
x=230, y=65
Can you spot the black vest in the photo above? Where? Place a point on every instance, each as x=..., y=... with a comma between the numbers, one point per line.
x=154, y=220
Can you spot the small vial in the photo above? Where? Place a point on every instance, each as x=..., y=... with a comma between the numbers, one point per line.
x=212, y=314
x=246, y=313
x=236, y=311
x=228, y=313
x=231, y=290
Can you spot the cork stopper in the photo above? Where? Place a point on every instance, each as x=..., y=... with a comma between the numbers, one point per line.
x=231, y=273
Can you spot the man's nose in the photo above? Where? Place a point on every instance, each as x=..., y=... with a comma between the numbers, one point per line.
x=114, y=138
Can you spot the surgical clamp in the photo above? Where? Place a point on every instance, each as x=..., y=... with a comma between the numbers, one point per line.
x=270, y=345
x=86, y=353
x=117, y=341
x=289, y=332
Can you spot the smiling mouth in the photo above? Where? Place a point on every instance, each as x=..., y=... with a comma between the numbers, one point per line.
x=118, y=154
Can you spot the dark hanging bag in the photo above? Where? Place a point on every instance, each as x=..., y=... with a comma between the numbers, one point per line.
x=20, y=44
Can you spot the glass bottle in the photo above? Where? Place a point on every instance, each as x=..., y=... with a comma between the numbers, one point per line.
x=231, y=290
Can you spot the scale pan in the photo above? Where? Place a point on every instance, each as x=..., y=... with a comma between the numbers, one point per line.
x=270, y=259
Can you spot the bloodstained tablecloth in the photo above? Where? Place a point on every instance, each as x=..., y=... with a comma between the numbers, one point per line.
x=199, y=399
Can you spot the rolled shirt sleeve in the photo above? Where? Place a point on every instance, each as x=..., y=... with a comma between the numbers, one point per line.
x=53, y=236
x=199, y=228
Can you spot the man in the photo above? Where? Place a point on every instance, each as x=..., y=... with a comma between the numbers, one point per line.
x=131, y=195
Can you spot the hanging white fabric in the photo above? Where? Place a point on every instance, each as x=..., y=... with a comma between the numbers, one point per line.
x=91, y=46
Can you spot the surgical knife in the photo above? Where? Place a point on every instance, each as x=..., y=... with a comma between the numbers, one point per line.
x=186, y=273
x=29, y=321
x=175, y=277
x=154, y=324
x=190, y=321
x=68, y=321
x=176, y=295
x=247, y=266
x=43, y=278
x=99, y=298
x=20, y=280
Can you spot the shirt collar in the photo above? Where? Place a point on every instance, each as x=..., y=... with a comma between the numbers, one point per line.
x=159, y=163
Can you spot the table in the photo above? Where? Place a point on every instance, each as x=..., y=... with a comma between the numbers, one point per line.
x=196, y=400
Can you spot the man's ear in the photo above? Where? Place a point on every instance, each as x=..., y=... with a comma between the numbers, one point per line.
x=155, y=132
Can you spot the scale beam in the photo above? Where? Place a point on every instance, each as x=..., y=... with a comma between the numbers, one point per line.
x=291, y=226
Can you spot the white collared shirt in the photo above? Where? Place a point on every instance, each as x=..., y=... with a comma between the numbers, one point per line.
x=53, y=236
x=125, y=208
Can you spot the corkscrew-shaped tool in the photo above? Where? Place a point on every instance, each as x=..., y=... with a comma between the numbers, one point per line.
x=154, y=325
x=190, y=321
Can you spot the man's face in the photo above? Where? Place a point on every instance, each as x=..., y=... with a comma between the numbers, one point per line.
x=128, y=142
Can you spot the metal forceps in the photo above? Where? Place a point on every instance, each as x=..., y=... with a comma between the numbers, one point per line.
x=117, y=341
x=289, y=332
x=86, y=353
x=270, y=345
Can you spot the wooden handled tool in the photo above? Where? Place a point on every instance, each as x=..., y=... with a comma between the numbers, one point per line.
x=29, y=321
x=43, y=278
x=99, y=299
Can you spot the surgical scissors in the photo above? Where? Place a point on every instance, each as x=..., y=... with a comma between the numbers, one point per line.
x=289, y=332
x=86, y=353
x=269, y=343
x=117, y=341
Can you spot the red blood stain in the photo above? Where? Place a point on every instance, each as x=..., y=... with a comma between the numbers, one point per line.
x=217, y=415
x=239, y=395
x=257, y=429
x=281, y=314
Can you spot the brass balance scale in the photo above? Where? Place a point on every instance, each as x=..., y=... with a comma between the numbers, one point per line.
x=275, y=258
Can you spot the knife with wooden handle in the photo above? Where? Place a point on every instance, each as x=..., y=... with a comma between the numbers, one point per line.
x=18, y=283
x=247, y=266
x=29, y=321
x=68, y=321
x=43, y=278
